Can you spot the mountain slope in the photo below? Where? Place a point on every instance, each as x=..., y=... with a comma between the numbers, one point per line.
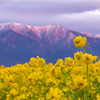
x=18, y=43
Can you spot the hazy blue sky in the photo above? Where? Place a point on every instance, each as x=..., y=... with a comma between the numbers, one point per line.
x=78, y=15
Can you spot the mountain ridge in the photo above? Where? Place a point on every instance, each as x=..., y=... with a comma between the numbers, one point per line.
x=21, y=42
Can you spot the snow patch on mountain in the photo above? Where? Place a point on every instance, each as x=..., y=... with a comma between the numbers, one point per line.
x=47, y=30
x=28, y=26
x=4, y=25
x=87, y=34
x=97, y=36
x=17, y=24
x=45, y=27
x=71, y=37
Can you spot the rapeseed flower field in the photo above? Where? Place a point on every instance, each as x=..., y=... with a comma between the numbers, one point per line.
x=69, y=79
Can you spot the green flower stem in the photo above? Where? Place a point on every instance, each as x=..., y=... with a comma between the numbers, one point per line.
x=87, y=78
x=87, y=71
x=84, y=95
x=44, y=74
x=81, y=66
x=84, y=49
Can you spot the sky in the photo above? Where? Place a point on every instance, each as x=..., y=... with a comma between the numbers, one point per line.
x=77, y=15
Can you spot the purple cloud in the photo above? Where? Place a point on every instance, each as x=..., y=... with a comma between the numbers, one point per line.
x=67, y=13
x=47, y=7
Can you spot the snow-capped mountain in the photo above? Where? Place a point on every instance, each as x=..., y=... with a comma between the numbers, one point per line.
x=18, y=43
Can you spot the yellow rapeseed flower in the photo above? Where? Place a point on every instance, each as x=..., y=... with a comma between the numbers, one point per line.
x=87, y=58
x=22, y=96
x=2, y=66
x=68, y=61
x=8, y=97
x=78, y=56
x=13, y=92
x=80, y=83
x=80, y=41
x=92, y=90
x=98, y=97
x=95, y=58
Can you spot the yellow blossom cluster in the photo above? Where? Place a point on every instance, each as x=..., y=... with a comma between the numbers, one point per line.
x=80, y=41
x=69, y=79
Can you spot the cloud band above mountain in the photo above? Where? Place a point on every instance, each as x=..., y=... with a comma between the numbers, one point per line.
x=70, y=14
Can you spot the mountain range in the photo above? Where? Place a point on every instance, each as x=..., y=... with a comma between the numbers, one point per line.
x=19, y=42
